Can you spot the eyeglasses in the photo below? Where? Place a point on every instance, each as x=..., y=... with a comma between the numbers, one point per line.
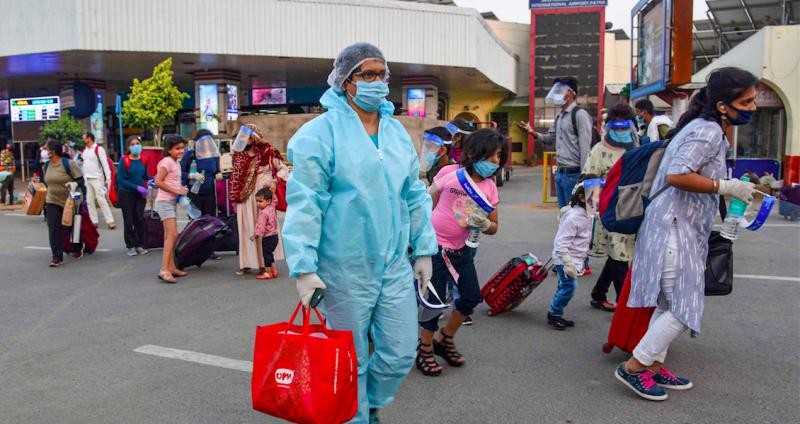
x=370, y=76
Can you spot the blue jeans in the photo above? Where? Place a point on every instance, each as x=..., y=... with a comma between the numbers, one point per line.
x=562, y=296
x=451, y=283
x=564, y=184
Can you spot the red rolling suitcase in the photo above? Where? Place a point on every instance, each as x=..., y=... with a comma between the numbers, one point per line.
x=512, y=284
x=628, y=324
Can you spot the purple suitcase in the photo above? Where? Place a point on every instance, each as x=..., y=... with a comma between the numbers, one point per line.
x=153, y=230
x=196, y=242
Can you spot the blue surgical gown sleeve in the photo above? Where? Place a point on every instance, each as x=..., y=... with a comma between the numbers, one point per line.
x=422, y=236
x=308, y=197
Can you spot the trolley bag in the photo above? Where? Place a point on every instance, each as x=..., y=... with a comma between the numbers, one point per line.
x=228, y=241
x=512, y=284
x=628, y=324
x=305, y=374
x=153, y=228
x=87, y=238
x=225, y=205
x=195, y=243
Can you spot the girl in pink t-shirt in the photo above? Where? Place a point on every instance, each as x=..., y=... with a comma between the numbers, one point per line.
x=168, y=181
x=484, y=151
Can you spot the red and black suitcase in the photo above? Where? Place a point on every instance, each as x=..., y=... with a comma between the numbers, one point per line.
x=628, y=325
x=512, y=284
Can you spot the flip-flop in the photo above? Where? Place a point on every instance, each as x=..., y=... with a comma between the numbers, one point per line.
x=264, y=276
x=179, y=274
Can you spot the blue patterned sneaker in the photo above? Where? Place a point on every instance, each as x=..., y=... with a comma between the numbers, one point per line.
x=641, y=383
x=667, y=380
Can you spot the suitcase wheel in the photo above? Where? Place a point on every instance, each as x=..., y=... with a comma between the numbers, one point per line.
x=490, y=312
x=607, y=347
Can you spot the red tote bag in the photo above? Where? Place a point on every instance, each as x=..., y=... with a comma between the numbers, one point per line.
x=305, y=373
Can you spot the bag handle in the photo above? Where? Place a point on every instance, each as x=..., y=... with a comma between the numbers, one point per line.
x=306, y=317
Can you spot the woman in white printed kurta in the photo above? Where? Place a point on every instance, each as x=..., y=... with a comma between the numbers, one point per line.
x=672, y=244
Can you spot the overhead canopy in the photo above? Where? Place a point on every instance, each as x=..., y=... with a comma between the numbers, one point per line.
x=293, y=40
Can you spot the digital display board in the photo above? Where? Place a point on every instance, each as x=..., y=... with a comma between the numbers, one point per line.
x=580, y=59
x=209, y=107
x=651, y=47
x=269, y=96
x=96, y=122
x=416, y=102
x=233, y=102
x=32, y=109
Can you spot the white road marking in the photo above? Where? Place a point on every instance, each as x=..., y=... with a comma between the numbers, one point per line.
x=196, y=357
x=766, y=277
x=47, y=248
x=19, y=214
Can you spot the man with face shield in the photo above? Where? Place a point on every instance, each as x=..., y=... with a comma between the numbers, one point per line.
x=572, y=134
x=434, y=156
x=620, y=136
x=355, y=204
x=205, y=156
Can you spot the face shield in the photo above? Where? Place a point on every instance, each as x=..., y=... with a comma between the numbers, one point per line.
x=455, y=130
x=591, y=189
x=620, y=131
x=206, y=148
x=431, y=304
x=558, y=94
x=429, y=155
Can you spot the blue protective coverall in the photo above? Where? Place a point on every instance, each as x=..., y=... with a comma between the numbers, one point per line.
x=353, y=210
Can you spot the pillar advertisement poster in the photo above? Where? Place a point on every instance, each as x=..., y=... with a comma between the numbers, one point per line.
x=233, y=102
x=209, y=107
x=96, y=124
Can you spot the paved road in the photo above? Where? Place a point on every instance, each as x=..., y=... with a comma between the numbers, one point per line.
x=67, y=339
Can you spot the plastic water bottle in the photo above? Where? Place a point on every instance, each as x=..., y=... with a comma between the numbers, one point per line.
x=473, y=240
x=730, y=227
x=197, y=183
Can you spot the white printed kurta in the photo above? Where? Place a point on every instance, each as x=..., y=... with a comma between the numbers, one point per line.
x=700, y=147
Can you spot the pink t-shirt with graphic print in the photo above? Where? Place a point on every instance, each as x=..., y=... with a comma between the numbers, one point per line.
x=451, y=233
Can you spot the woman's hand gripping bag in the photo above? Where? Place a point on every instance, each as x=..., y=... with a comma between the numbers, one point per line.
x=305, y=373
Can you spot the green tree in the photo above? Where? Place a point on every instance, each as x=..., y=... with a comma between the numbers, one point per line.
x=65, y=128
x=153, y=100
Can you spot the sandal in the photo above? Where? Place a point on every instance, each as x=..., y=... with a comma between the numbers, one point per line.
x=447, y=350
x=178, y=273
x=426, y=362
x=264, y=276
x=167, y=277
x=242, y=271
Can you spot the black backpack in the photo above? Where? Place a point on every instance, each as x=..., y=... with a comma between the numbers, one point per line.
x=595, y=134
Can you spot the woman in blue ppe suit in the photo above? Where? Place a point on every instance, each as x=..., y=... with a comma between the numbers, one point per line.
x=355, y=203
